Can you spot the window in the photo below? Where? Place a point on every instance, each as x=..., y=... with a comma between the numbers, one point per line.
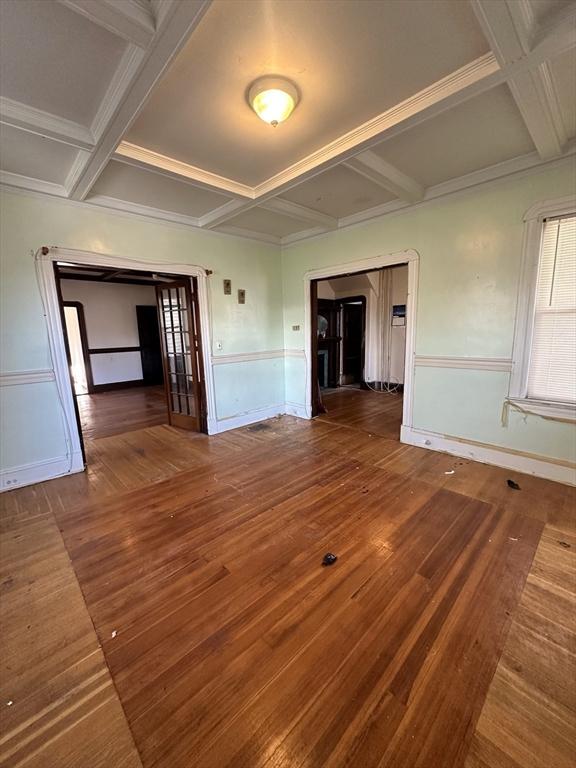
x=552, y=366
x=544, y=364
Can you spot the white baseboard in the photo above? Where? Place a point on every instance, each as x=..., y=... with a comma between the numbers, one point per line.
x=296, y=409
x=529, y=464
x=39, y=471
x=234, y=422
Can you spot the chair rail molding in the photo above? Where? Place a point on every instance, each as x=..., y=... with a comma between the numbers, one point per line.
x=469, y=363
x=16, y=378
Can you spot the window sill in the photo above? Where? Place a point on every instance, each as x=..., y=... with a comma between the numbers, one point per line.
x=546, y=408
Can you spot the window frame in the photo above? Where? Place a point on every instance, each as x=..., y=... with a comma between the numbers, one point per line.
x=525, y=314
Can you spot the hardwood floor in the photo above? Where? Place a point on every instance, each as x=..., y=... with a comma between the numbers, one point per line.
x=529, y=718
x=378, y=413
x=230, y=645
x=58, y=704
x=121, y=410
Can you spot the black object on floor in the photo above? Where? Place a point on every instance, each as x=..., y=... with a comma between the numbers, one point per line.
x=513, y=485
x=329, y=559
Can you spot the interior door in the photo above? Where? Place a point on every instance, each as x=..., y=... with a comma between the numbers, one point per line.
x=328, y=342
x=150, y=347
x=353, y=330
x=182, y=354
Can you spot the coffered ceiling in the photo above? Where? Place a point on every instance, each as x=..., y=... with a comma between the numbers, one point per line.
x=140, y=105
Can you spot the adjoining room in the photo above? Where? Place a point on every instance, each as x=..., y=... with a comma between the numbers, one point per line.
x=287, y=383
x=361, y=349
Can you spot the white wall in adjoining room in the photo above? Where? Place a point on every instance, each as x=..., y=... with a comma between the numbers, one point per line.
x=110, y=315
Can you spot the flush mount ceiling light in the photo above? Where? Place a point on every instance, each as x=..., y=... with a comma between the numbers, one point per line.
x=273, y=99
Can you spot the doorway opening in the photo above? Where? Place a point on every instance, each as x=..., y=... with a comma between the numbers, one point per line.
x=134, y=348
x=358, y=342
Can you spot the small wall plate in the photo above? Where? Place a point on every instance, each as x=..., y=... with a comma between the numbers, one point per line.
x=227, y=287
x=241, y=296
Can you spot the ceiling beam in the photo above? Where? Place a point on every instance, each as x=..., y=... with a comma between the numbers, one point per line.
x=131, y=86
x=373, y=167
x=510, y=38
x=42, y=123
x=129, y=19
x=299, y=213
x=223, y=213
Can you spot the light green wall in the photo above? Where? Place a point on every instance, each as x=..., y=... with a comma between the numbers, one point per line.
x=32, y=428
x=470, y=249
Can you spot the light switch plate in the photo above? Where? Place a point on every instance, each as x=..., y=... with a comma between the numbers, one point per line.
x=227, y=287
x=295, y=327
x=241, y=296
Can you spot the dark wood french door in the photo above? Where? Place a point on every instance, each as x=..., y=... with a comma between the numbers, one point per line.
x=182, y=353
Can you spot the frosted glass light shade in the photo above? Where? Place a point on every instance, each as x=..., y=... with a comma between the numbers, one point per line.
x=273, y=99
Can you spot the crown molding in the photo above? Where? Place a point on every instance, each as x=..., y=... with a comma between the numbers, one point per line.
x=32, y=120
x=500, y=172
x=149, y=212
x=131, y=20
x=248, y=233
x=14, y=184
x=28, y=184
x=516, y=167
x=147, y=158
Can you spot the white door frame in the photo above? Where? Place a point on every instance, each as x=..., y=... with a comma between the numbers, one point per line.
x=45, y=258
x=410, y=257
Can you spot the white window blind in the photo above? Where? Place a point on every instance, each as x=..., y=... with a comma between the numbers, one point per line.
x=552, y=372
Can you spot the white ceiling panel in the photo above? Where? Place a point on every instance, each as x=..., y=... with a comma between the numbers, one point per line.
x=564, y=76
x=542, y=9
x=31, y=155
x=339, y=192
x=54, y=59
x=350, y=60
x=267, y=223
x=135, y=185
x=483, y=131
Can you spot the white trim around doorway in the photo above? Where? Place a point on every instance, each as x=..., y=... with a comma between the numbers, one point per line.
x=409, y=257
x=45, y=258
